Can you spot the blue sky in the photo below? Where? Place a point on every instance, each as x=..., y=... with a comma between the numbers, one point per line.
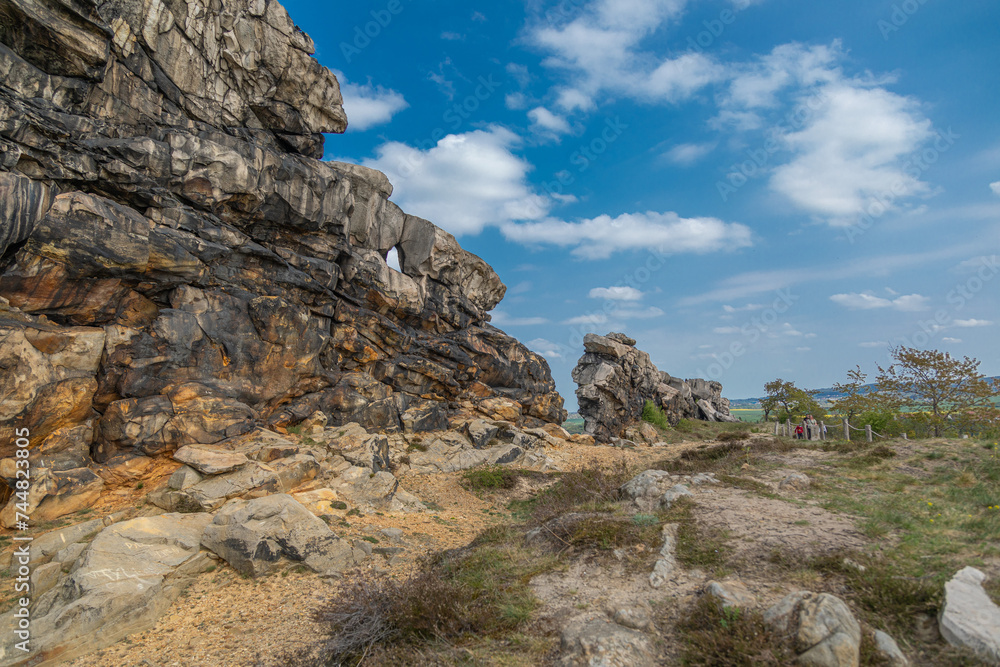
x=750, y=188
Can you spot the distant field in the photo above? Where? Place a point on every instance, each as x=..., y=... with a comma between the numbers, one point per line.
x=573, y=425
x=747, y=414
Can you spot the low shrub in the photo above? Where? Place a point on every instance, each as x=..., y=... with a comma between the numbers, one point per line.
x=728, y=636
x=589, y=488
x=653, y=414
x=480, y=591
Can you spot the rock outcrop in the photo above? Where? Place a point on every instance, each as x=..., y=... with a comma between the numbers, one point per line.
x=616, y=380
x=969, y=618
x=177, y=266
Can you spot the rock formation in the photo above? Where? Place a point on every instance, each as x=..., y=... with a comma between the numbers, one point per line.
x=178, y=267
x=616, y=380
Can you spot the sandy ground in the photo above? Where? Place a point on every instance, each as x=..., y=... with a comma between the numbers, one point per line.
x=224, y=620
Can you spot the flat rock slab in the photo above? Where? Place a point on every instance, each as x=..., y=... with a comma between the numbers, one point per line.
x=210, y=460
x=127, y=578
x=969, y=618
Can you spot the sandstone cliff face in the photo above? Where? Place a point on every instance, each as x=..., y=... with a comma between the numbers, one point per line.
x=615, y=380
x=177, y=265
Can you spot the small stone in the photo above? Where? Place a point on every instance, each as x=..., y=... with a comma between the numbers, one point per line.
x=730, y=593
x=796, y=481
x=889, y=649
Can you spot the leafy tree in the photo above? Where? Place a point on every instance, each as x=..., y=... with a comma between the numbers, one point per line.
x=788, y=401
x=862, y=400
x=937, y=383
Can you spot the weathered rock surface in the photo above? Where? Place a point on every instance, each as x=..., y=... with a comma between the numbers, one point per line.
x=730, y=593
x=666, y=564
x=657, y=489
x=824, y=631
x=889, y=650
x=969, y=618
x=177, y=267
x=255, y=536
x=615, y=380
x=599, y=642
x=125, y=579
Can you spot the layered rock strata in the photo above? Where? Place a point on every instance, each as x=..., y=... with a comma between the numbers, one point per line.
x=615, y=380
x=177, y=266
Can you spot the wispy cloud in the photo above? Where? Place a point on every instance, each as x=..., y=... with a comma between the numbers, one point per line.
x=617, y=293
x=600, y=237
x=868, y=301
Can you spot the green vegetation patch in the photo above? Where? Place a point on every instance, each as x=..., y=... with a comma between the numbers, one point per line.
x=714, y=635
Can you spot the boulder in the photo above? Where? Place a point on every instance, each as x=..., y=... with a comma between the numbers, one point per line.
x=125, y=580
x=587, y=641
x=255, y=536
x=969, y=618
x=361, y=487
x=823, y=629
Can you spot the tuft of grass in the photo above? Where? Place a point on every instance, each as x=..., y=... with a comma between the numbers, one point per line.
x=726, y=457
x=653, y=414
x=605, y=532
x=718, y=636
x=479, y=592
x=697, y=545
x=579, y=490
x=732, y=436
x=493, y=476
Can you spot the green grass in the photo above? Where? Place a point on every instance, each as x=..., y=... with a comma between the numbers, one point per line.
x=716, y=636
x=697, y=545
x=652, y=414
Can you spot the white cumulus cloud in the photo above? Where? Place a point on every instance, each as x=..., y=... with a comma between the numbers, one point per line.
x=966, y=324
x=995, y=187
x=368, y=105
x=600, y=50
x=546, y=123
x=463, y=183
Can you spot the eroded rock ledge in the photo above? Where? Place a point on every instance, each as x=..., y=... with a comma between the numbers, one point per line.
x=615, y=380
x=177, y=266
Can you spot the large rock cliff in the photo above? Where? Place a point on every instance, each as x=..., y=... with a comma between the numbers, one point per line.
x=616, y=379
x=178, y=266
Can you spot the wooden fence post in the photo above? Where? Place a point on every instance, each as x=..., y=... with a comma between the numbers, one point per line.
x=788, y=427
x=868, y=432
x=822, y=430
x=777, y=426
x=847, y=431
